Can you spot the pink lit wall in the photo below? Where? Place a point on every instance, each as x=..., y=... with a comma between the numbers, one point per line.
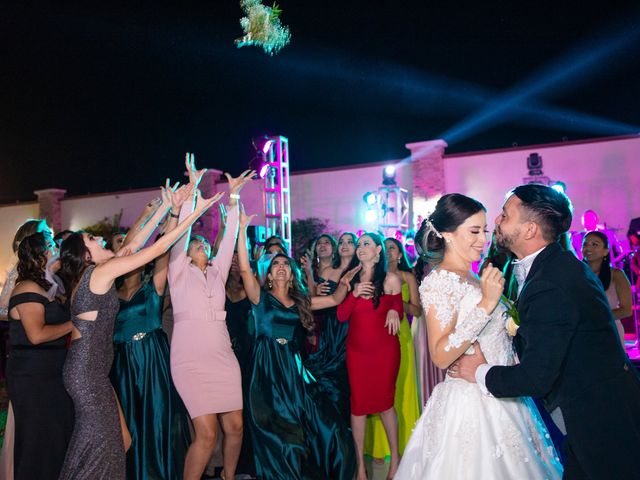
x=600, y=175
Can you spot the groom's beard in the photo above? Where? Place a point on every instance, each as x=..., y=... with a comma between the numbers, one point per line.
x=506, y=241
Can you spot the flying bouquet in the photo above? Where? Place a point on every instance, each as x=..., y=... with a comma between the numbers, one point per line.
x=262, y=27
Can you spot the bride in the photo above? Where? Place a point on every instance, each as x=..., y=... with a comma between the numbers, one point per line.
x=463, y=433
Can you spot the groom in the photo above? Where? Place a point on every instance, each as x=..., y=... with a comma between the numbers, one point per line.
x=567, y=343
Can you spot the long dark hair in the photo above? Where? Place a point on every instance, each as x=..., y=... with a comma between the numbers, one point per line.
x=605, y=268
x=379, y=272
x=32, y=260
x=315, y=261
x=297, y=291
x=451, y=211
x=403, y=265
x=354, y=238
x=73, y=260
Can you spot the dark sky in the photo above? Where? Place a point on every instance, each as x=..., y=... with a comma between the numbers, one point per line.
x=109, y=96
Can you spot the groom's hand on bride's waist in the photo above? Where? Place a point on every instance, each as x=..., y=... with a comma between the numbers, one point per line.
x=466, y=365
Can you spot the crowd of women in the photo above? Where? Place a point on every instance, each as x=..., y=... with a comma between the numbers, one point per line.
x=295, y=368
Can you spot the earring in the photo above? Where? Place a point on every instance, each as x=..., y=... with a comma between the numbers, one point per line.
x=290, y=283
x=448, y=240
x=270, y=284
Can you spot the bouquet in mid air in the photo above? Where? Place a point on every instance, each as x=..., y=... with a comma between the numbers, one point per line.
x=262, y=27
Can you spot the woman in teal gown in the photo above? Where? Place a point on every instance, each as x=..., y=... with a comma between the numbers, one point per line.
x=155, y=415
x=294, y=425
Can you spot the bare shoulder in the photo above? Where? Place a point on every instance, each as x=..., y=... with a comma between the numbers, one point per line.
x=28, y=286
x=618, y=275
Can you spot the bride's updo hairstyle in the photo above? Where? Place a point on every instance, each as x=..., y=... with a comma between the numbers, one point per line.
x=451, y=211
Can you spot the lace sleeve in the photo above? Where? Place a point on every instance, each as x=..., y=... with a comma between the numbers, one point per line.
x=471, y=321
x=454, y=299
x=440, y=291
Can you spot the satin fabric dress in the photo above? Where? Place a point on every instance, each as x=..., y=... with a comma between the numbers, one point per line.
x=406, y=401
x=294, y=425
x=241, y=331
x=329, y=363
x=204, y=368
x=43, y=409
x=156, y=417
x=96, y=450
x=373, y=355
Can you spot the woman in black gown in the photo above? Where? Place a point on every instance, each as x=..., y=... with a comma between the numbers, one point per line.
x=38, y=331
x=294, y=425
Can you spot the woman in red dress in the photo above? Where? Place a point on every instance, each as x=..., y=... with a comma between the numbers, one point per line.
x=374, y=310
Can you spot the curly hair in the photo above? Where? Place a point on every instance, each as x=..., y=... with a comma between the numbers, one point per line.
x=297, y=291
x=73, y=260
x=32, y=260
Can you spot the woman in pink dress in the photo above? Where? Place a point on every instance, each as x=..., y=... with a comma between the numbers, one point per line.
x=204, y=368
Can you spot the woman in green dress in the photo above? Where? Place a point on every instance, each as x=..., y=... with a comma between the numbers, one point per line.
x=294, y=425
x=155, y=415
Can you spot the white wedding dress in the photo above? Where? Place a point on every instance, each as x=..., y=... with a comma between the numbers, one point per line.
x=463, y=433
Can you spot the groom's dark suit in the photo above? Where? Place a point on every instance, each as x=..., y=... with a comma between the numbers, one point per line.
x=570, y=355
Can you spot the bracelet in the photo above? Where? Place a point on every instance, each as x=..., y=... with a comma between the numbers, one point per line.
x=235, y=196
x=171, y=214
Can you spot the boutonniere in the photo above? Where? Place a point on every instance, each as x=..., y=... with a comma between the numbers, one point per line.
x=512, y=322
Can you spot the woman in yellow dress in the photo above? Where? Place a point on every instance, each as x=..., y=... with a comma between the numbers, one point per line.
x=406, y=400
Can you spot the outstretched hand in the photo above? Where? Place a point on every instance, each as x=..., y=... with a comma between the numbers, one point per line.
x=203, y=204
x=179, y=196
x=466, y=365
x=243, y=219
x=195, y=176
x=347, y=277
x=236, y=184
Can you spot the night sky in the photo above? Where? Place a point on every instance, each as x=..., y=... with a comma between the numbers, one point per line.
x=106, y=97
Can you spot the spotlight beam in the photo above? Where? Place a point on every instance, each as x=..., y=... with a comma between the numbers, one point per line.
x=561, y=74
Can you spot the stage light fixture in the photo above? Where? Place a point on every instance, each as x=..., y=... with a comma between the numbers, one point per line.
x=370, y=198
x=389, y=175
x=264, y=169
x=370, y=216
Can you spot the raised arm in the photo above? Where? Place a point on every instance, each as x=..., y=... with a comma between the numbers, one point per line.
x=143, y=219
x=179, y=250
x=222, y=224
x=161, y=269
x=454, y=324
x=327, y=301
x=140, y=237
x=249, y=281
x=105, y=274
x=225, y=252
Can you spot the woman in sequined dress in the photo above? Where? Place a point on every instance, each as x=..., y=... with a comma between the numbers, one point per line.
x=97, y=447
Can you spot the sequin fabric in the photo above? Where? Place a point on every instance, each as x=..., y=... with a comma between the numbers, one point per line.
x=96, y=450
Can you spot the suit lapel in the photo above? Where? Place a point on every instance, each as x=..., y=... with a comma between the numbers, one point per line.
x=549, y=251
